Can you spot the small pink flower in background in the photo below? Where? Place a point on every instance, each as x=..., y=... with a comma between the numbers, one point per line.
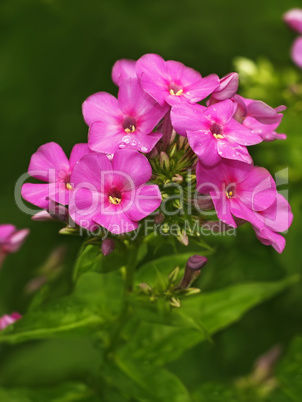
x=51, y=165
x=212, y=133
x=237, y=189
x=7, y=320
x=296, y=51
x=293, y=18
x=113, y=193
x=125, y=122
x=172, y=82
x=11, y=239
x=123, y=69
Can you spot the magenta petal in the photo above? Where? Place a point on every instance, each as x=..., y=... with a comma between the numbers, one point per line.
x=77, y=152
x=201, y=89
x=88, y=172
x=48, y=162
x=146, y=200
x=233, y=151
x=116, y=223
x=293, y=19
x=278, y=216
x=227, y=88
x=186, y=117
x=16, y=240
x=222, y=207
x=123, y=69
x=270, y=238
x=59, y=193
x=84, y=205
x=105, y=137
x=240, y=210
x=296, y=51
x=221, y=112
x=136, y=103
x=240, y=134
x=151, y=71
x=258, y=190
x=37, y=194
x=263, y=113
x=134, y=166
x=208, y=179
x=101, y=106
x=205, y=146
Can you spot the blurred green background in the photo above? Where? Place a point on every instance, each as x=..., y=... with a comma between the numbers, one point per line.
x=55, y=53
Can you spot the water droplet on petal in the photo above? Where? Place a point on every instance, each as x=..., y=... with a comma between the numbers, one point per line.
x=110, y=156
x=121, y=145
x=144, y=149
x=133, y=143
x=126, y=139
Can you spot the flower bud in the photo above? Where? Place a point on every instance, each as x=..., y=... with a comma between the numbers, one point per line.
x=107, y=247
x=177, y=178
x=164, y=160
x=159, y=218
x=227, y=88
x=293, y=18
x=175, y=302
x=182, y=237
x=192, y=270
x=173, y=275
x=145, y=288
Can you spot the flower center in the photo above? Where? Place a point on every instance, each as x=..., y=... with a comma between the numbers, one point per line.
x=216, y=130
x=115, y=197
x=175, y=90
x=129, y=125
x=230, y=191
x=68, y=186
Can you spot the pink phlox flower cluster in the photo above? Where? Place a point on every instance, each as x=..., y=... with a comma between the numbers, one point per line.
x=249, y=193
x=104, y=182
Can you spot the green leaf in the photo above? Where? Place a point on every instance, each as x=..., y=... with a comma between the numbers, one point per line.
x=92, y=260
x=68, y=392
x=96, y=300
x=145, y=383
x=204, y=314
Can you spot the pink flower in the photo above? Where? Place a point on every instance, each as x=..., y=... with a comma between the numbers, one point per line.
x=293, y=18
x=276, y=218
x=296, y=51
x=122, y=70
x=51, y=165
x=259, y=117
x=7, y=320
x=212, y=133
x=173, y=82
x=11, y=240
x=126, y=122
x=237, y=189
x=112, y=193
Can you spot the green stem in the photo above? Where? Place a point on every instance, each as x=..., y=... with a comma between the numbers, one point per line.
x=125, y=312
